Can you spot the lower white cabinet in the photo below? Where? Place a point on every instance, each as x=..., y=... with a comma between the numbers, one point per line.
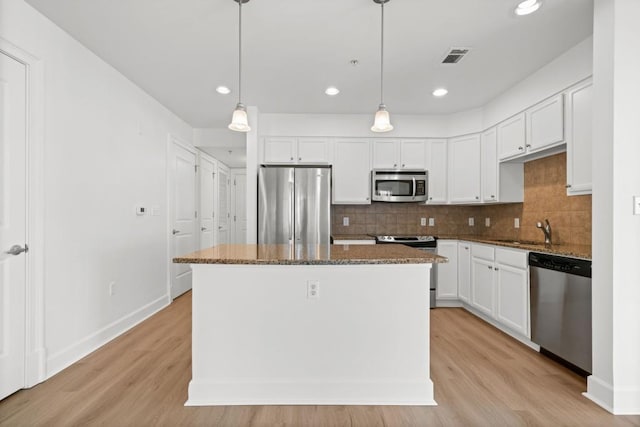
x=483, y=285
x=464, y=271
x=512, y=279
x=447, y=287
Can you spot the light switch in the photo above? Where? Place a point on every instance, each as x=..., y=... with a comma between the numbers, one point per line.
x=516, y=222
x=487, y=222
x=345, y=221
x=471, y=222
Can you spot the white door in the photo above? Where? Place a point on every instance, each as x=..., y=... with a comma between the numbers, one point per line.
x=184, y=215
x=223, y=210
x=12, y=224
x=240, y=208
x=207, y=202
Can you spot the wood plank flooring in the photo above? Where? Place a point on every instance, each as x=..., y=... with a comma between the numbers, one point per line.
x=482, y=378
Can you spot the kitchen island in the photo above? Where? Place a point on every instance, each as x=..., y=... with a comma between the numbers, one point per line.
x=292, y=324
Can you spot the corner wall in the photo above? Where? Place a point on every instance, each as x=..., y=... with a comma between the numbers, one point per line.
x=105, y=145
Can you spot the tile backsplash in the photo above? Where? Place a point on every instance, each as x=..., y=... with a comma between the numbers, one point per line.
x=544, y=197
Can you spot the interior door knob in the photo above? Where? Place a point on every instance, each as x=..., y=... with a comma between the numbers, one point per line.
x=17, y=249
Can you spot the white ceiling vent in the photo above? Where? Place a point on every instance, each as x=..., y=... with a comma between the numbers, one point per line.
x=455, y=54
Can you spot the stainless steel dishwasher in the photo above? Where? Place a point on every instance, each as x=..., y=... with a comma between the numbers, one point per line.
x=561, y=308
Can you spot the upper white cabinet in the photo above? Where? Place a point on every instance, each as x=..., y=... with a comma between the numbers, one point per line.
x=447, y=272
x=489, y=165
x=464, y=169
x=351, y=172
x=538, y=128
x=579, y=138
x=545, y=124
x=290, y=150
x=399, y=154
x=512, y=137
x=437, y=167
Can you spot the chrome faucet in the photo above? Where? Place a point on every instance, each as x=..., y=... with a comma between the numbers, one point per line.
x=546, y=229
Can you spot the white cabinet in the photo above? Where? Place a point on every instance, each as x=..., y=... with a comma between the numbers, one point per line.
x=545, y=124
x=501, y=182
x=437, y=167
x=447, y=287
x=399, y=154
x=464, y=169
x=489, y=165
x=351, y=172
x=512, y=283
x=579, y=138
x=464, y=272
x=285, y=150
x=512, y=137
x=537, y=129
x=483, y=292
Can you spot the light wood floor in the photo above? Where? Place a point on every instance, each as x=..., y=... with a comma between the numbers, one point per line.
x=481, y=376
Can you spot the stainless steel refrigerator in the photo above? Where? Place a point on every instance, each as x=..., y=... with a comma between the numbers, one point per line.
x=294, y=204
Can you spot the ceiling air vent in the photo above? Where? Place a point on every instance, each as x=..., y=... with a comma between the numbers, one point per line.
x=455, y=54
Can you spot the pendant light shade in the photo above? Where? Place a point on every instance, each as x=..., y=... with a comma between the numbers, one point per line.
x=239, y=120
x=382, y=122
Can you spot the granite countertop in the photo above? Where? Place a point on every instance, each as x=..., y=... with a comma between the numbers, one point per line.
x=310, y=255
x=578, y=251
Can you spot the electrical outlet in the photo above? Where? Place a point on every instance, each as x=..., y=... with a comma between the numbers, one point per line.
x=112, y=288
x=516, y=222
x=313, y=289
x=423, y=221
x=432, y=222
x=471, y=222
x=636, y=205
x=345, y=221
x=487, y=222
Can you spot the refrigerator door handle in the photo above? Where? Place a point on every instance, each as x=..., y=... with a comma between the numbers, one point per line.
x=292, y=198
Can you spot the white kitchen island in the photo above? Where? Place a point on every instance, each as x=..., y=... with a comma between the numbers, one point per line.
x=262, y=336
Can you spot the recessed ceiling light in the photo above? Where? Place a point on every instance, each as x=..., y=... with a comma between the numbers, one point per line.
x=440, y=92
x=223, y=90
x=332, y=91
x=527, y=6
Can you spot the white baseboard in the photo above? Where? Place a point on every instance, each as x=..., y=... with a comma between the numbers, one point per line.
x=617, y=400
x=522, y=338
x=35, y=367
x=214, y=393
x=65, y=358
x=448, y=303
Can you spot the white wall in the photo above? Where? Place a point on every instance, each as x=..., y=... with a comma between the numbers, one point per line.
x=615, y=383
x=105, y=143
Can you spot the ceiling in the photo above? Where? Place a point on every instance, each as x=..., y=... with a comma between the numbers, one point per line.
x=180, y=51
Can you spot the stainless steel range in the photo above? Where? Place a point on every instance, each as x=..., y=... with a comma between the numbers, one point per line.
x=423, y=243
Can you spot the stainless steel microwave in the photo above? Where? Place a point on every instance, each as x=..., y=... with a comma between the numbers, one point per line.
x=399, y=185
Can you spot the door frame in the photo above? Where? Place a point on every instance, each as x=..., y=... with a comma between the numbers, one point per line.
x=171, y=140
x=35, y=350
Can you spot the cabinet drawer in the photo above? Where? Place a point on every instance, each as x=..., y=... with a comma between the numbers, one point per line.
x=513, y=258
x=483, y=252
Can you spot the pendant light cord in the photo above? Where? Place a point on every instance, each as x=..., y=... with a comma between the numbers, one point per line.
x=382, y=55
x=239, y=51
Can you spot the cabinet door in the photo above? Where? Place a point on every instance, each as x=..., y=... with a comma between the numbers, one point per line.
x=482, y=286
x=437, y=167
x=579, y=138
x=352, y=172
x=447, y=286
x=489, y=165
x=513, y=298
x=386, y=154
x=511, y=137
x=313, y=150
x=413, y=154
x=464, y=169
x=280, y=150
x=545, y=124
x=464, y=272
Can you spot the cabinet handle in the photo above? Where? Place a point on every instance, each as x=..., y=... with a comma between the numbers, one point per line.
x=430, y=198
x=403, y=165
x=496, y=269
x=477, y=198
x=493, y=197
x=567, y=186
x=395, y=165
x=367, y=198
x=520, y=148
x=466, y=248
x=489, y=267
x=300, y=158
x=528, y=145
x=292, y=158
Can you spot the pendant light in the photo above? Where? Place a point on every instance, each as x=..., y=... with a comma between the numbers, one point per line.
x=381, y=122
x=239, y=120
